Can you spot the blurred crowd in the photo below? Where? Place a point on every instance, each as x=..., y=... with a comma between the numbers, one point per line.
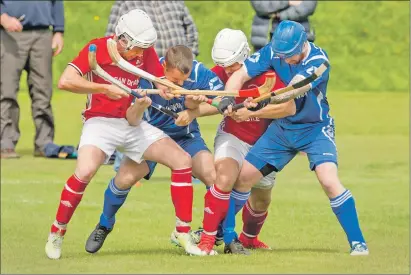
x=31, y=35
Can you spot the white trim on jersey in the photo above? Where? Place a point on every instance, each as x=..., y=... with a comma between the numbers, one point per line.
x=320, y=97
x=315, y=57
x=325, y=134
x=196, y=71
x=308, y=53
x=75, y=67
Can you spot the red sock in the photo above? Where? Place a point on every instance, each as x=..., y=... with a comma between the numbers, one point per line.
x=69, y=200
x=182, y=197
x=253, y=221
x=215, y=209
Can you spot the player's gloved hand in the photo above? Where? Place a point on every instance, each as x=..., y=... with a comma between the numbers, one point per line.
x=114, y=92
x=255, y=106
x=185, y=117
x=225, y=103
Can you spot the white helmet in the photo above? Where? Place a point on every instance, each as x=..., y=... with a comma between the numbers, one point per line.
x=137, y=27
x=230, y=46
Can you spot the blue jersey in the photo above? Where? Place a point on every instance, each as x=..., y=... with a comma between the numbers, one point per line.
x=200, y=78
x=312, y=107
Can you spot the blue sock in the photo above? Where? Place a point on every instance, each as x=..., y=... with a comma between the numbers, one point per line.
x=237, y=201
x=113, y=200
x=343, y=207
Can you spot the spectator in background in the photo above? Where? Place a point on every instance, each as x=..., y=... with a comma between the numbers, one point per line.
x=171, y=19
x=276, y=11
x=31, y=34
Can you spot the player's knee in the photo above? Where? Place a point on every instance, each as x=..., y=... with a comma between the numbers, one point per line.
x=331, y=186
x=224, y=182
x=124, y=181
x=183, y=160
x=209, y=176
x=86, y=173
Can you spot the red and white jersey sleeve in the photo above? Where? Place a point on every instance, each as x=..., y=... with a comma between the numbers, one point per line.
x=252, y=129
x=99, y=105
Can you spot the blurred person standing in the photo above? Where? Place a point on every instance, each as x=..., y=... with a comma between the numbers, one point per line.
x=31, y=34
x=171, y=19
x=277, y=11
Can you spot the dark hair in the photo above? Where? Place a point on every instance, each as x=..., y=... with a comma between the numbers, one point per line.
x=179, y=57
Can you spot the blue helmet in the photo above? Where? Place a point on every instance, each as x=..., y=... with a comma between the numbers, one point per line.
x=288, y=39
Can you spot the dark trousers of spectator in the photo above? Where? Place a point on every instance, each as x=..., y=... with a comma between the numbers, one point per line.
x=30, y=50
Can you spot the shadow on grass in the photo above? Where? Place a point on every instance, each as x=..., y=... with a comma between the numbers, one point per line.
x=137, y=251
x=302, y=249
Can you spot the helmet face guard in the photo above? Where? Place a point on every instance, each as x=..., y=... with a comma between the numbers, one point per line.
x=131, y=35
x=128, y=42
x=239, y=56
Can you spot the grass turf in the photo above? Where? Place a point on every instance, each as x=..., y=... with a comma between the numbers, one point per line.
x=372, y=138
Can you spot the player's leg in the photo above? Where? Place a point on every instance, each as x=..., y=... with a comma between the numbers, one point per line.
x=89, y=159
x=229, y=153
x=151, y=143
x=97, y=143
x=114, y=197
x=255, y=212
x=322, y=154
x=202, y=159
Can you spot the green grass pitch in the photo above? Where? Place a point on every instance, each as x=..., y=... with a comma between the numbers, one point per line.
x=373, y=142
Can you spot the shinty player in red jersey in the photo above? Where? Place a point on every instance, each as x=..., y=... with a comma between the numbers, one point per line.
x=234, y=138
x=106, y=127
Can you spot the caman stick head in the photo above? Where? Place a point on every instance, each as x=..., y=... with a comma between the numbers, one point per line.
x=112, y=50
x=92, y=50
x=270, y=79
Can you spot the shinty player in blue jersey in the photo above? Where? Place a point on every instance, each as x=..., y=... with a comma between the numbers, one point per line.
x=181, y=69
x=310, y=130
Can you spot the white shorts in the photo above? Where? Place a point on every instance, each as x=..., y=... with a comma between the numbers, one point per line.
x=229, y=146
x=109, y=134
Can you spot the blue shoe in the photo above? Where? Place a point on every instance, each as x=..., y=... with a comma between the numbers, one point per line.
x=359, y=249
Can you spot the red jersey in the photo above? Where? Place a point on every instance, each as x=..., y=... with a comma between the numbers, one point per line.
x=251, y=129
x=99, y=105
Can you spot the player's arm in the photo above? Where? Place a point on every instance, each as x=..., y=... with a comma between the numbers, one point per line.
x=135, y=112
x=310, y=67
x=275, y=111
x=256, y=64
x=187, y=116
x=207, y=80
x=72, y=79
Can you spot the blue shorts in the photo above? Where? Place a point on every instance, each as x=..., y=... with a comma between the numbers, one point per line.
x=191, y=143
x=278, y=146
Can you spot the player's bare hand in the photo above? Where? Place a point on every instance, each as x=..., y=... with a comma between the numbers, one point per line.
x=248, y=103
x=197, y=98
x=165, y=92
x=10, y=23
x=229, y=111
x=143, y=102
x=185, y=117
x=241, y=115
x=114, y=92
